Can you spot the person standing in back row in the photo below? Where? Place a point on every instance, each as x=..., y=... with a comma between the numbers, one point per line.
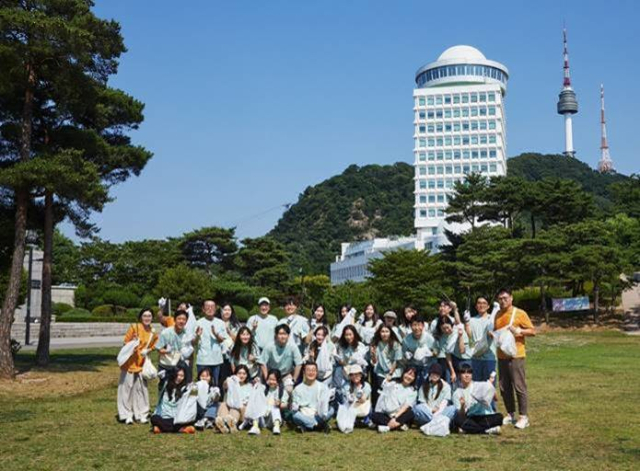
x=512, y=369
x=263, y=324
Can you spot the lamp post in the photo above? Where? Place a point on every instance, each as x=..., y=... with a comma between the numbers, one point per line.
x=32, y=238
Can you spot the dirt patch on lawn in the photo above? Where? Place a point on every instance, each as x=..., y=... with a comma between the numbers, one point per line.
x=42, y=384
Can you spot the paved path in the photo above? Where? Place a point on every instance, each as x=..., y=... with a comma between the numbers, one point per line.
x=631, y=306
x=78, y=342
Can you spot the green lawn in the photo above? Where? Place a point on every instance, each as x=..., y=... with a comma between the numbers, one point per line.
x=584, y=390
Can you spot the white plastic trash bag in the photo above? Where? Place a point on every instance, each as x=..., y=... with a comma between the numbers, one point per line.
x=346, y=418
x=257, y=406
x=127, y=350
x=388, y=399
x=186, y=351
x=324, y=397
x=483, y=392
x=438, y=427
x=187, y=409
x=325, y=365
x=481, y=347
x=422, y=354
x=348, y=320
x=505, y=340
x=233, y=399
x=149, y=371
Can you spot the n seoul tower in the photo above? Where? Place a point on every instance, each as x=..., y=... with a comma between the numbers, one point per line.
x=567, y=103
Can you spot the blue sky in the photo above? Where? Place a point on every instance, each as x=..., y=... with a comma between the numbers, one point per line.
x=250, y=102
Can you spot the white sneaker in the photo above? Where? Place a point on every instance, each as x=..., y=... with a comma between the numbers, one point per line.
x=404, y=427
x=508, y=420
x=523, y=422
x=255, y=430
x=383, y=429
x=276, y=428
x=493, y=431
x=199, y=424
x=129, y=421
x=144, y=420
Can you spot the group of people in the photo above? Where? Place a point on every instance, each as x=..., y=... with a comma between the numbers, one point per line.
x=384, y=372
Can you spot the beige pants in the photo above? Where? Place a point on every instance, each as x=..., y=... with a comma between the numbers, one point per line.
x=225, y=411
x=133, y=397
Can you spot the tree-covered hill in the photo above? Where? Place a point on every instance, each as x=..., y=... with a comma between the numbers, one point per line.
x=377, y=201
x=361, y=203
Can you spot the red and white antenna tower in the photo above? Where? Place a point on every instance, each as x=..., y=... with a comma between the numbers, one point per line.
x=606, y=164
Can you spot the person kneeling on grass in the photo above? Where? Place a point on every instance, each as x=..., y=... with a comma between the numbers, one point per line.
x=434, y=398
x=277, y=401
x=394, y=407
x=231, y=411
x=357, y=394
x=310, y=404
x=208, y=400
x=163, y=418
x=474, y=413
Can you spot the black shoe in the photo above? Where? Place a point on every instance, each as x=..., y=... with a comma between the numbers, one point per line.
x=326, y=428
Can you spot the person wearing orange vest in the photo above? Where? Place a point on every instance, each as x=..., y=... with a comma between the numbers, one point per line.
x=512, y=369
x=133, y=393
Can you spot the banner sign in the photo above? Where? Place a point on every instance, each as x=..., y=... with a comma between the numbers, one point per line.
x=571, y=304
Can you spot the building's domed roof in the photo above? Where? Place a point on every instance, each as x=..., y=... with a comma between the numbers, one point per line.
x=465, y=53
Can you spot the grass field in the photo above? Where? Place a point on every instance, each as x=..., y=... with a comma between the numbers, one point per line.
x=584, y=390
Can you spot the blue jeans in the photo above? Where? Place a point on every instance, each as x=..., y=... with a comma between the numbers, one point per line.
x=482, y=369
x=214, y=370
x=309, y=423
x=423, y=415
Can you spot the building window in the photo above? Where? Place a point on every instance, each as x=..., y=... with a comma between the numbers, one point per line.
x=432, y=155
x=439, y=114
x=430, y=128
x=474, y=98
x=456, y=112
x=456, y=98
x=482, y=97
x=465, y=112
x=474, y=111
x=423, y=199
x=440, y=170
x=492, y=124
x=474, y=154
x=440, y=198
x=465, y=125
x=432, y=184
x=423, y=184
x=421, y=102
x=440, y=184
x=422, y=170
x=447, y=141
x=456, y=127
x=431, y=114
x=491, y=96
x=432, y=170
x=448, y=170
x=483, y=154
x=447, y=99
x=423, y=213
x=492, y=139
x=439, y=100
x=474, y=125
x=456, y=154
x=439, y=142
x=439, y=127
x=464, y=98
x=447, y=113
x=422, y=115
x=432, y=199
x=421, y=142
x=432, y=213
x=483, y=167
x=483, y=138
x=422, y=129
x=439, y=155
x=422, y=157
x=447, y=155
x=493, y=168
x=431, y=142
x=492, y=111
x=456, y=141
x=474, y=140
x=483, y=111
x=465, y=141
x=493, y=153
x=456, y=169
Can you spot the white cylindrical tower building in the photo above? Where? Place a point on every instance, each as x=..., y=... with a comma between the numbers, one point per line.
x=459, y=128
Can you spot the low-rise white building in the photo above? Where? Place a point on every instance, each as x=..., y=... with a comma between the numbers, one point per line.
x=352, y=264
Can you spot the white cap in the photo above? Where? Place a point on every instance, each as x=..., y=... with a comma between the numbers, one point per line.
x=353, y=369
x=264, y=299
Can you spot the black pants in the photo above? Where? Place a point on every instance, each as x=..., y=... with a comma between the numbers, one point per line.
x=477, y=423
x=380, y=418
x=376, y=385
x=165, y=425
x=225, y=372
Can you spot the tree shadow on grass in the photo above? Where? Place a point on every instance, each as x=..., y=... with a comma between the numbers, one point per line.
x=68, y=361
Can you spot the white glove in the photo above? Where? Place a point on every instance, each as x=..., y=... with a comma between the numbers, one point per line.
x=144, y=352
x=408, y=355
x=162, y=302
x=466, y=317
x=162, y=374
x=214, y=395
x=496, y=306
x=518, y=331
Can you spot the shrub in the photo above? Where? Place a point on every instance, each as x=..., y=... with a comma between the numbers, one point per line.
x=120, y=297
x=61, y=308
x=241, y=313
x=148, y=300
x=107, y=310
